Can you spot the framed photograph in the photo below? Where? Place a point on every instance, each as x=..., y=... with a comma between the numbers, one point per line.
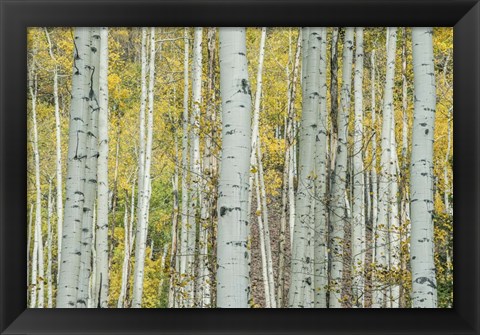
x=239, y=167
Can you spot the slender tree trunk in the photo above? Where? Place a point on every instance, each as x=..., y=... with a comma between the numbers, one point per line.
x=334, y=93
x=321, y=159
x=447, y=189
x=373, y=172
x=90, y=189
x=58, y=158
x=287, y=198
x=394, y=228
x=29, y=239
x=204, y=291
x=33, y=96
x=195, y=170
x=71, y=247
x=184, y=227
x=339, y=216
x=49, y=246
x=384, y=178
x=424, y=292
x=142, y=225
x=101, y=243
x=263, y=254
x=256, y=112
x=301, y=294
x=173, y=254
x=233, y=283
x=358, y=210
x=256, y=163
x=37, y=278
x=268, y=248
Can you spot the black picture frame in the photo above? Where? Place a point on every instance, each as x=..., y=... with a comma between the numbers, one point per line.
x=16, y=16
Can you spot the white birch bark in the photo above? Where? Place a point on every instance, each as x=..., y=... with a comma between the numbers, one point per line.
x=195, y=170
x=256, y=111
x=143, y=103
x=35, y=284
x=29, y=239
x=142, y=225
x=288, y=199
x=358, y=208
x=90, y=188
x=339, y=216
x=447, y=188
x=49, y=246
x=263, y=255
x=424, y=291
x=301, y=294
x=268, y=248
x=203, y=284
x=173, y=254
x=384, y=178
x=394, y=221
x=256, y=164
x=373, y=172
x=233, y=283
x=75, y=181
x=58, y=158
x=101, y=242
x=321, y=180
x=185, y=137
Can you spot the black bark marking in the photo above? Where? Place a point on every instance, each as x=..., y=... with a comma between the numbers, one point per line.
x=423, y=280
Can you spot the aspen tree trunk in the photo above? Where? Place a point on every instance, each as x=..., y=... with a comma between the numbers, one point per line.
x=185, y=169
x=321, y=159
x=424, y=292
x=256, y=163
x=58, y=158
x=90, y=189
x=173, y=254
x=384, y=178
x=373, y=172
x=75, y=181
x=301, y=294
x=142, y=225
x=143, y=103
x=35, y=284
x=256, y=113
x=194, y=165
x=126, y=256
x=29, y=239
x=293, y=147
x=394, y=228
x=268, y=248
x=287, y=200
x=334, y=94
x=261, y=230
x=101, y=243
x=233, y=283
x=339, y=216
x=204, y=283
x=358, y=210
x=447, y=190
x=49, y=246
x=41, y=270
